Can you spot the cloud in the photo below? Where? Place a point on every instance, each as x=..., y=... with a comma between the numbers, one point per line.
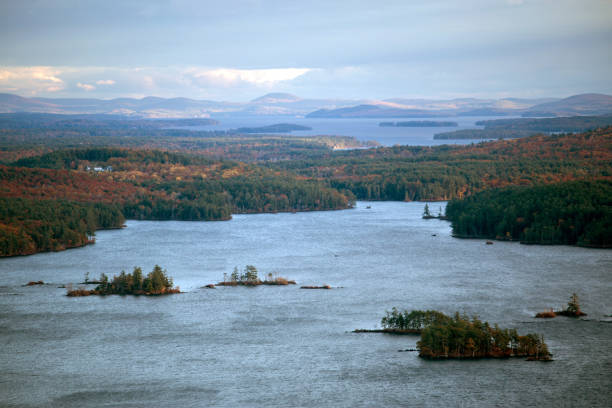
x=259, y=77
x=32, y=80
x=105, y=82
x=86, y=87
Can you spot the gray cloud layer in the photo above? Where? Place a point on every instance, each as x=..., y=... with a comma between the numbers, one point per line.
x=241, y=48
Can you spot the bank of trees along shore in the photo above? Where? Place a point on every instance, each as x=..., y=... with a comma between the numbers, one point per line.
x=573, y=213
x=458, y=336
x=150, y=185
x=176, y=186
x=30, y=226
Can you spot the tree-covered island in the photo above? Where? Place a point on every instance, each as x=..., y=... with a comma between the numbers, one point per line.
x=459, y=337
x=249, y=277
x=572, y=310
x=156, y=282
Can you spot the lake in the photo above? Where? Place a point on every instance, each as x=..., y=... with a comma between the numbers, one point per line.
x=363, y=129
x=274, y=346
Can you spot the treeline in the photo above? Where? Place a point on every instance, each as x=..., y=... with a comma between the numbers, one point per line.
x=571, y=213
x=513, y=128
x=214, y=200
x=78, y=158
x=52, y=121
x=31, y=226
x=484, y=134
x=557, y=125
x=184, y=187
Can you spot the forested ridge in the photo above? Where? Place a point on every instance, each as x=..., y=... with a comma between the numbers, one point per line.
x=415, y=173
x=152, y=184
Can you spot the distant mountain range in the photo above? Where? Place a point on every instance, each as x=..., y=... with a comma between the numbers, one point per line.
x=279, y=104
x=585, y=104
x=577, y=105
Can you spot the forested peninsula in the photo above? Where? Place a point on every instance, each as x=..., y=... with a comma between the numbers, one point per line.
x=110, y=172
x=573, y=213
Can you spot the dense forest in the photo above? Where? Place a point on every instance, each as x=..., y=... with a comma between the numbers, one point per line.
x=416, y=173
x=151, y=184
x=153, y=173
x=573, y=213
x=31, y=226
x=156, y=185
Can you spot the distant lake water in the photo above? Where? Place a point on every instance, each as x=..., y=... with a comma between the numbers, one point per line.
x=287, y=347
x=362, y=129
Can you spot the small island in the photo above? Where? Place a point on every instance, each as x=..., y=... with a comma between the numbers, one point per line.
x=458, y=337
x=249, y=278
x=427, y=215
x=155, y=283
x=572, y=310
x=419, y=123
x=277, y=128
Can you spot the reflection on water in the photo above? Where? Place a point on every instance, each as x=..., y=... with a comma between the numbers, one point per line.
x=282, y=346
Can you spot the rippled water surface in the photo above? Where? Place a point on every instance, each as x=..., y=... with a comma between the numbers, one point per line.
x=283, y=346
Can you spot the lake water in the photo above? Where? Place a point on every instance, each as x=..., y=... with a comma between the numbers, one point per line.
x=287, y=347
x=363, y=129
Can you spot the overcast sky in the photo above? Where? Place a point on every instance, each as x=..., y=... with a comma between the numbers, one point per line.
x=237, y=50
